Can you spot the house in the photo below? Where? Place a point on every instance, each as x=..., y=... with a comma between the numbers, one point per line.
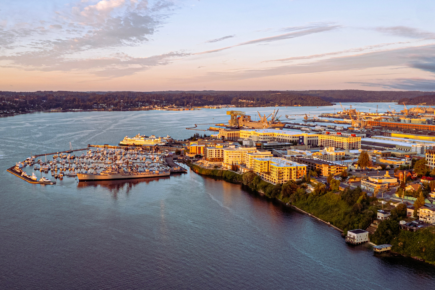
x=410, y=211
x=426, y=214
x=383, y=214
x=413, y=187
x=356, y=237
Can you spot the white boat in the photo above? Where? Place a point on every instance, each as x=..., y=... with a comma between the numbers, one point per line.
x=46, y=181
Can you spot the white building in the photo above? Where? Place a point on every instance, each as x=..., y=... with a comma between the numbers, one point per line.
x=383, y=215
x=356, y=237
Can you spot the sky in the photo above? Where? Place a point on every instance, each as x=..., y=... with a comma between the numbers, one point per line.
x=158, y=45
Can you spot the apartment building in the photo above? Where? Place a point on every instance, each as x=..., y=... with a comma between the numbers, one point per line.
x=427, y=215
x=249, y=158
x=236, y=155
x=430, y=158
x=278, y=170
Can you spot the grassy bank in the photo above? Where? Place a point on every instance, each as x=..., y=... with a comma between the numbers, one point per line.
x=226, y=175
x=346, y=210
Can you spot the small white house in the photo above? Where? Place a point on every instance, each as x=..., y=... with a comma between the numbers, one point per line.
x=356, y=237
x=383, y=214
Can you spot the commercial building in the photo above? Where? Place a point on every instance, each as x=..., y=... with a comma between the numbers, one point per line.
x=283, y=136
x=402, y=144
x=232, y=134
x=278, y=170
x=400, y=126
x=342, y=142
x=329, y=154
x=380, y=183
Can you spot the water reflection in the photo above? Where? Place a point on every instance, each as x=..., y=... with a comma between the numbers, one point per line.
x=117, y=186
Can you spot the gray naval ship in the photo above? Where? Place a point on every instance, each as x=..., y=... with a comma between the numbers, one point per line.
x=113, y=174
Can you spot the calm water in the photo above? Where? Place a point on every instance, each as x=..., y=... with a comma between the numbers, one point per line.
x=183, y=232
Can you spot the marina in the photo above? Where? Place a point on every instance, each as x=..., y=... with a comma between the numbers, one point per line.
x=98, y=163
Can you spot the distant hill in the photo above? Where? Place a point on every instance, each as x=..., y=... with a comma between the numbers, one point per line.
x=363, y=96
x=421, y=100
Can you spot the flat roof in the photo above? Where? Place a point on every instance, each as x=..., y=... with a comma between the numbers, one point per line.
x=288, y=132
x=399, y=139
x=358, y=231
x=390, y=142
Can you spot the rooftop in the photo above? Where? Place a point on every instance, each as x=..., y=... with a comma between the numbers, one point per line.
x=358, y=231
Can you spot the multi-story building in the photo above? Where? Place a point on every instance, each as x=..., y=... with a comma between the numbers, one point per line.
x=236, y=156
x=278, y=170
x=232, y=134
x=427, y=215
x=337, y=141
x=214, y=154
x=249, y=158
x=284, y=136
x=329, y=154
x=199, y=147
x=326, y=168
x=401, y=126
x=430, y=158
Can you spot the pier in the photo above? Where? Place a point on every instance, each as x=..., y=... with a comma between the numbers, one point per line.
x=173, y=165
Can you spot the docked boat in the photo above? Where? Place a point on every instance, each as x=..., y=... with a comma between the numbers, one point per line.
x=44, y=180
x=140, y=140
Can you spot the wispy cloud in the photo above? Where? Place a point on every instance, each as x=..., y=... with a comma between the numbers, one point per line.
x=414, y=84
x=336, y=53
x=299, y=31
x=411, y=57
x=405, y=31
x=220, y=39
x=106, y=24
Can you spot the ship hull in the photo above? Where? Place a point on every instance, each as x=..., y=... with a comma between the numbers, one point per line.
x=93, y=177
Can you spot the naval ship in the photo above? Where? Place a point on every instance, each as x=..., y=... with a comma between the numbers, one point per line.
x=112, y=174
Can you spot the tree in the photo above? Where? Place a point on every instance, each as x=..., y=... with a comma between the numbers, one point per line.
x=289, y=188
x=330, y=178
x=420, y=167
x=344, y=175
x=399, y=212
x=418, y=203
x=364, y=160
x=335, y=184
x=432, y=185
x=432, y=173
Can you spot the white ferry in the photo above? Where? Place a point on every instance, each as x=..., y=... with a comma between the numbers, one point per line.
x=140, y=140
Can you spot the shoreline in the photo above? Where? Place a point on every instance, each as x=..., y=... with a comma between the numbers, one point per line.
x=289, y=205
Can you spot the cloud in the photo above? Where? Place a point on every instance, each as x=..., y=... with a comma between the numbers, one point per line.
x=121, y=22
x=412, y=57
x=405, y=31
x=300, y=31
x=335, y=53
x=402, y=84
x=55, y=26
x=220, y=39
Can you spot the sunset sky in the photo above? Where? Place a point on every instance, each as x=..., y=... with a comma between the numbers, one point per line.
x=139, y=45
